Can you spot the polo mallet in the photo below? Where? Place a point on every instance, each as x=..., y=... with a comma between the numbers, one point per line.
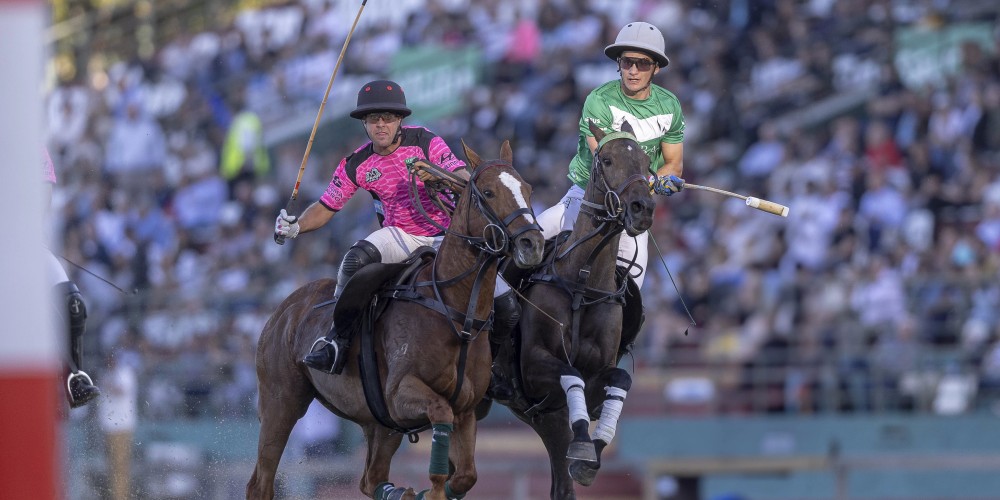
x=758, y=203
x=312, y=135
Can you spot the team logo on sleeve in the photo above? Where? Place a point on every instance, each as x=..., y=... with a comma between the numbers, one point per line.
x=373, y=175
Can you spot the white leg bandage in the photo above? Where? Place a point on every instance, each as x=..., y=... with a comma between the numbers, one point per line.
x=575, y=399
x=609, y=414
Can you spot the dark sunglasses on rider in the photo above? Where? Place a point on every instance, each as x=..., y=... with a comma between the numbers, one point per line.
x=373, y=118
x=639, y=62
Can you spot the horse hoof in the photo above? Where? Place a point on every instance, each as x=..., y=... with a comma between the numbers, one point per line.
x=582, y=450
x=583, y=473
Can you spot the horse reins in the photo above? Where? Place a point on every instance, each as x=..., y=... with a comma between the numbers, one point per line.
x=610, y=220
x=497, y=238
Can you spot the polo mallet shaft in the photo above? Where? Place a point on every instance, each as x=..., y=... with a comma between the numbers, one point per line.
x=312, y=135
x=758, y=203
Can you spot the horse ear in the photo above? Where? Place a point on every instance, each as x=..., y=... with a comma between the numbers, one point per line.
x=627, y=127
x=505, y=152
x=474, y=159
x=594, y=129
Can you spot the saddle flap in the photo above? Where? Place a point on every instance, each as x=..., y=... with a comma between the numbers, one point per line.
x=365, y=283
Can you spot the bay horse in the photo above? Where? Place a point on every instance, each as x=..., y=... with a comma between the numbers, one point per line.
x=579, y=318
x=426, y=363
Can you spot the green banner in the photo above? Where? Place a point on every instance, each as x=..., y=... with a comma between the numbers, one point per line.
x=927, y=56
x=435, y=79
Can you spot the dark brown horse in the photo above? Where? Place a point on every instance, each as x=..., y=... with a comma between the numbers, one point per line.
x=428, y=350
x=571, y=329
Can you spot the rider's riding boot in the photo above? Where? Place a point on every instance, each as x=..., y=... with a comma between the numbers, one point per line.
x=331, y=356
x=79, y=387
x=506, y=314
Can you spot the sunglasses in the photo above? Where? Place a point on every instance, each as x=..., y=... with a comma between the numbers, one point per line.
x=387, y=117
x=642, y=64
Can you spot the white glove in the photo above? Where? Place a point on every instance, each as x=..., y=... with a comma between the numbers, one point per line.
x=286, y=225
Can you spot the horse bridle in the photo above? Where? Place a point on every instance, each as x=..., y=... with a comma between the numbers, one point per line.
x=610, y=225
x=612, y=221
x=496, y=235
x=497, y=239
x=612, y=197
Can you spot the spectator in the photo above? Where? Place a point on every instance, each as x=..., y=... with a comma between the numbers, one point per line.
x=813, y=56
x=118, y=414
x=136, y=146
x=243, y=155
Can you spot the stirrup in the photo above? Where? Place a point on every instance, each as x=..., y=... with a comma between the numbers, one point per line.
x=500, y=389
x=323, y=343
x=89, y=390
x=78, y=373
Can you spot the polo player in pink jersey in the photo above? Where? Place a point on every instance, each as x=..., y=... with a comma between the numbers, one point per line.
x=380, y=168
x=79, y=386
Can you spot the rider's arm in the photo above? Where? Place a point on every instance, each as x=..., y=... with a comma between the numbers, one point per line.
x=673, y=160
x=315, y=216
x=423, y=168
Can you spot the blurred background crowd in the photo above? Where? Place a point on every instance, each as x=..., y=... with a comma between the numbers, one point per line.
x=177, y=130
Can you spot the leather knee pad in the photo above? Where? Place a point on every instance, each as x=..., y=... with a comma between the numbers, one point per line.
x=506, y=314
x=76, y=309
x=359, y=255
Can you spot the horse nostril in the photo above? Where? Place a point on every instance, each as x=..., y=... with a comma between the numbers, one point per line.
x=642, y=207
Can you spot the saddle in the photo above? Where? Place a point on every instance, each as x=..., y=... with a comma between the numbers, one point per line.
x=358, y=309
x=368, y=281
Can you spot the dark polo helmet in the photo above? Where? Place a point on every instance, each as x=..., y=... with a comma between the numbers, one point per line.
x=381, y=95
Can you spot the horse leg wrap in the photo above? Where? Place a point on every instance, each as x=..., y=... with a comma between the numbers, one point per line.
x=383, y=490
x=389, y=491
x=440, y=442
x=613, y=403
x=575, y=399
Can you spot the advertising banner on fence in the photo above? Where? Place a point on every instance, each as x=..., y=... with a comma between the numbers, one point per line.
x=435, y=79
x=927, y=57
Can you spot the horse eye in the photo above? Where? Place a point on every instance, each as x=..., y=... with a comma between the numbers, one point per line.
x=488, y=193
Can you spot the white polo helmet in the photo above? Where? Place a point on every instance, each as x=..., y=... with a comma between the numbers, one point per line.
x=639, y=36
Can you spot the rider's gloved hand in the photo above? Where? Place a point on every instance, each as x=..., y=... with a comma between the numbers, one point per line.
x=286, y=225
x=666, y=184
x=419, y=166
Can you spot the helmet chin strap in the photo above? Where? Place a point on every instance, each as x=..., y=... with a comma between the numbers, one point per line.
x=395, y=139
x=621, y=76
x=399, y=132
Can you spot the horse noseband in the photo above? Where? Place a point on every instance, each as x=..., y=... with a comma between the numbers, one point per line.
x=497, y=237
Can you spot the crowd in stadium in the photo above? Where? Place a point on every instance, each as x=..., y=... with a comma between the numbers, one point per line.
x=878, y=292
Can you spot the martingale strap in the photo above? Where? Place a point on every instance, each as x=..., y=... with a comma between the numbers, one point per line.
x=407, y=293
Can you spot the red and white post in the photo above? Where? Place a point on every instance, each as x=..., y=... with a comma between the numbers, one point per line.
x=29, y=361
